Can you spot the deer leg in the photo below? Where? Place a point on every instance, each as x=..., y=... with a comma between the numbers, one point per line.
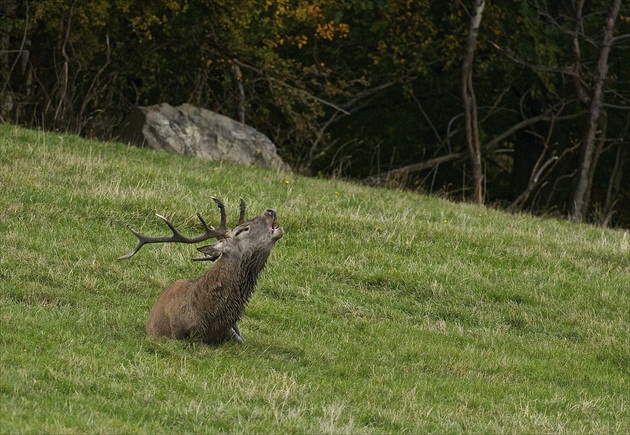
x=236, y=334
x=235, y=329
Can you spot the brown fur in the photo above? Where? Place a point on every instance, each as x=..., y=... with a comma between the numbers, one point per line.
x=209, y=307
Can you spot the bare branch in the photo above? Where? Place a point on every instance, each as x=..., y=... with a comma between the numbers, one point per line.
x=366, y=93
x=428, y=164
x=293, y=88
x=623, y=37
x=525, y=123
x=431, y=163
x=426, y=117
x=91, y=89
x=21, y=50
x=509, y=53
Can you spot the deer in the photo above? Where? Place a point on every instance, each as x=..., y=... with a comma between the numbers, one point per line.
x=209, y=307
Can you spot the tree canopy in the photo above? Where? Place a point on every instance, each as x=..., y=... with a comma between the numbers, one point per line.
x=366, y=89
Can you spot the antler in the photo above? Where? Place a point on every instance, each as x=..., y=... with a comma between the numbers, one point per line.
x=177, y=236
x=241, y=218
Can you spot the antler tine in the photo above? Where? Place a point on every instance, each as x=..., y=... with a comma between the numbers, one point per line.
x=241, y=217
x=141, y=242
x=222, y=229
x=177, y=236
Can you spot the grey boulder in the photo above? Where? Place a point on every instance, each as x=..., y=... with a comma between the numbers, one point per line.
x=190, y=130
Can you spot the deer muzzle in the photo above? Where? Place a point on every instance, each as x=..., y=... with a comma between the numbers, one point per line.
x=276, y=231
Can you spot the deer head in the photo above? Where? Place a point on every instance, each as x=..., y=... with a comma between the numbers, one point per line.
x=259, y=233
x=246, y=239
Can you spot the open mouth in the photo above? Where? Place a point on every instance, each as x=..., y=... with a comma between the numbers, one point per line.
x=276, y=231
x=274, y=218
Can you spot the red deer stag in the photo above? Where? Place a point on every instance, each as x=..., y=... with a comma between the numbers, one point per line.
x=209, y=307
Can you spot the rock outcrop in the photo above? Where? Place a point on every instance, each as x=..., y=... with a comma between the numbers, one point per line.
x=190, y=130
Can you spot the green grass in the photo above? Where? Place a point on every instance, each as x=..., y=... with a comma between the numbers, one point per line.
x=379, y=311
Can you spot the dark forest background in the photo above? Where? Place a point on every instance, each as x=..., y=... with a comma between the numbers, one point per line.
x=521, y=104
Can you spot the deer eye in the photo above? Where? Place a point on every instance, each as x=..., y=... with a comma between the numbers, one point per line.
x=242, y=230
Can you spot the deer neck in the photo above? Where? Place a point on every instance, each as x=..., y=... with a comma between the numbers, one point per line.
x=239, y=272
x=250, y=267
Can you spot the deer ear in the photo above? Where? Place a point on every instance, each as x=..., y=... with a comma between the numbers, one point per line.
x=211, y=252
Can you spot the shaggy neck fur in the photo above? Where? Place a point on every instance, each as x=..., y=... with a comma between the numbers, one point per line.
x=230, y=285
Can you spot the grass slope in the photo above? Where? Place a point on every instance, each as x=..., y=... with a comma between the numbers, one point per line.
x=379, y=311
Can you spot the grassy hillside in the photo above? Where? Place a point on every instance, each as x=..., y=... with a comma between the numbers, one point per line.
x=379, y=311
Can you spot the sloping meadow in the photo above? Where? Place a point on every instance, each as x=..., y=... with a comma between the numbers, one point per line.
x=379, y=311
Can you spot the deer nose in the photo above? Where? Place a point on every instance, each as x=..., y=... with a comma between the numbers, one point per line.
x=271, y=212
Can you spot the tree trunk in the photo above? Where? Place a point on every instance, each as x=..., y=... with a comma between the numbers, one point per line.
x=614, y=184
x=577, y=55
x=62, y=115
x=581, y=195
x=470, y=104
x=240, y=93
